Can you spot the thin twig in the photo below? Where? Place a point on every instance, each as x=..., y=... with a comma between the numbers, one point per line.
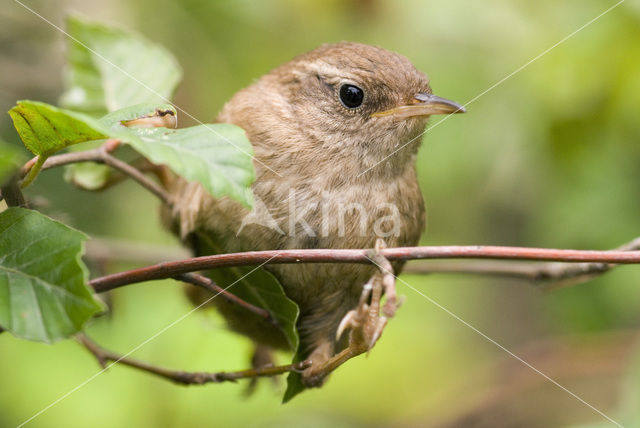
x=142, y=179
x=101, y=155
x=104, y=250
x=141, y=164
x=208, y=284
x=185, y=378
x=171, y=269
x=534, y=273
x=93, y=155
x=550, y=275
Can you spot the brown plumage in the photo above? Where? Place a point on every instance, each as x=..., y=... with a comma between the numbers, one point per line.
x=311, y=150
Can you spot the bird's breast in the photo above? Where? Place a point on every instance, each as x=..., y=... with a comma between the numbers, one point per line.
x=311, y=214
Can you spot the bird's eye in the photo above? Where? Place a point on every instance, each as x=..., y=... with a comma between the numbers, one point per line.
x=351, y=96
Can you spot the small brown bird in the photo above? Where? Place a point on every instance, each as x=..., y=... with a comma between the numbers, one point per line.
x=335, y=133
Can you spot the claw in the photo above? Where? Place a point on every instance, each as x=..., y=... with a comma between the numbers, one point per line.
x=366, y=292
x=347, y=321
x=356, y=317
x=382, y=322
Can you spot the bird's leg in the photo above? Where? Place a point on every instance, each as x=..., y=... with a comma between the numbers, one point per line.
x=261, y=358
x=365, y=322
x=366, y=326
x=388, y=279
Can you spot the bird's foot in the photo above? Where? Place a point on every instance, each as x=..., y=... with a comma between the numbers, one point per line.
x=364, y=322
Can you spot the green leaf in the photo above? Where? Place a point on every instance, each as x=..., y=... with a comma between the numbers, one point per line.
x=46, y=129
x=10, y=160
x=261, y=289
x=43, y=283
x=217, y=156
x=110, y=69
x=94, y=176
x=294, y=380
x=258, y=287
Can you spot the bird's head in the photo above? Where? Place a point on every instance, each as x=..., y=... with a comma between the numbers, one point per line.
x=341, y=101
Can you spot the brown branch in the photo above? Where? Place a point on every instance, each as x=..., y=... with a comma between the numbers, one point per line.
x=558, y=273
x=171, y=269
x=142, y=179
x=102, y=155
x=185, y=378
x=141, y=164
x=550, y=275
x=206, y=283
x=103, y=250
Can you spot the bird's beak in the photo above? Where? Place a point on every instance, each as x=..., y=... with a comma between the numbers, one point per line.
x=423, y=105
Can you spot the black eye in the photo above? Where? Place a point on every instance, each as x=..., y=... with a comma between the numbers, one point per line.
x=351, y=96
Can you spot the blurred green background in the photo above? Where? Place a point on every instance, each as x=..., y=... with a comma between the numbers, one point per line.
x=549, y=158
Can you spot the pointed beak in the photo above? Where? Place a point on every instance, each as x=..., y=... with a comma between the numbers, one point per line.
x=423, y=105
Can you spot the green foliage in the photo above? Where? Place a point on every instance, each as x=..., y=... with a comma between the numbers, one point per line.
x=43, y=282
x=93, y=176
x=217, y=156
x=258, y=287
x=294, y=381
x=45, y=129
x=110, y=69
